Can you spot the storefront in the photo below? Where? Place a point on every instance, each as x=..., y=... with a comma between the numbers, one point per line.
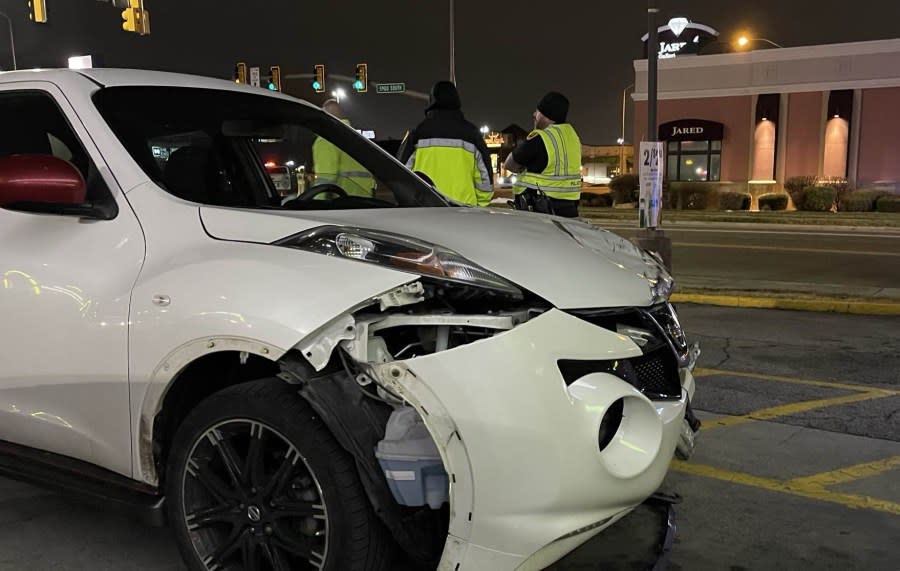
x=762, y=117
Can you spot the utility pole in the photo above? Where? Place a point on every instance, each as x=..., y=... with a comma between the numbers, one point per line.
x=452, y=44
x=12, y=41
x=650, y=237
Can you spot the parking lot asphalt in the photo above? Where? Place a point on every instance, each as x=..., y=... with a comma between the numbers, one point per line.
x=797, y=465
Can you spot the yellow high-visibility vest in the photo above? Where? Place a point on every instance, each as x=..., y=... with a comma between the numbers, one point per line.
x=456, y=167
x=561, y=178
x=332, y=165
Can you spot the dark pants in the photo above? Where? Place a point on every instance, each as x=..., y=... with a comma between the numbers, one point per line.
x=535, y=201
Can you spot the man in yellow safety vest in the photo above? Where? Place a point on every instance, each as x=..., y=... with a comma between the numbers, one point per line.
x=548, y=162
x=449, y=150
x=334, y=166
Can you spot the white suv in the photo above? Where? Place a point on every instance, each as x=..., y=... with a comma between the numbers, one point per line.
x=317, y=380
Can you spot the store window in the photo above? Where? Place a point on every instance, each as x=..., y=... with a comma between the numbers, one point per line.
x=694, y=160
x=693, y=150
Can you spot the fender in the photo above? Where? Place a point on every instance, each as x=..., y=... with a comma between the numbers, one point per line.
x=195, y=291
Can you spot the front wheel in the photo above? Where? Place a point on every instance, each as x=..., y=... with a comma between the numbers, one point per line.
x=256, y=481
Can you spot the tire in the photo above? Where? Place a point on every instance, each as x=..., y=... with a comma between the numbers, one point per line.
x=298, y=504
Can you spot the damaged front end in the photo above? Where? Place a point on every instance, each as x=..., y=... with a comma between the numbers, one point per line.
x=460, y=377
x=353, y=373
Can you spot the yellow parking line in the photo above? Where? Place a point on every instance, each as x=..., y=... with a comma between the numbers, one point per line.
x=701, y=372
x=793, y=408
x=849, y=474
x=811, y=491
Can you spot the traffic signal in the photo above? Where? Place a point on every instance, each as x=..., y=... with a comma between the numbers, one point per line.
x=136, y=19
x=37, y=11
x=318, y=83
x=240, y=73
x=275, y=78
x=362, y=78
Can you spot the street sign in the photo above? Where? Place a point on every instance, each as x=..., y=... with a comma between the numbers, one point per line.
x=254, y=76
x=390, y=88
x=652, y=163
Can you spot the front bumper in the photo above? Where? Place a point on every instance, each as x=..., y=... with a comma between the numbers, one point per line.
x=529, y=482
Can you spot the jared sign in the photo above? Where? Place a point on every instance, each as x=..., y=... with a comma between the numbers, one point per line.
x=682, y=37
x=691, y=130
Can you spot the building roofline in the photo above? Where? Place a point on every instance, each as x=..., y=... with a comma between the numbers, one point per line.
x=778, y=54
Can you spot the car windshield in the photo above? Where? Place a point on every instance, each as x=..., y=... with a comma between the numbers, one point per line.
x=235, y=149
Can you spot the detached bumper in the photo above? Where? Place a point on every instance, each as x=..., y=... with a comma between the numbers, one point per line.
x=529, y=481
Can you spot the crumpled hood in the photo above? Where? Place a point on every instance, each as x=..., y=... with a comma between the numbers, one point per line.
x=567, y=263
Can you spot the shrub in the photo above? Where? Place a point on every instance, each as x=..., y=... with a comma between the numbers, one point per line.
x=596, y=200
x=819, y=198
x=696, y=200
x=860, y=200
x=773, y=201
x=840, y=185
x=890, y=203
x=625, y=188
x=796, y=187
x=734, y=201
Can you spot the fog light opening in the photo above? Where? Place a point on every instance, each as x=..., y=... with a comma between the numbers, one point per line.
x=610, y=423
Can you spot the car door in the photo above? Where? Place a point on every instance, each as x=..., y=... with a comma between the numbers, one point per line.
x=65, y=287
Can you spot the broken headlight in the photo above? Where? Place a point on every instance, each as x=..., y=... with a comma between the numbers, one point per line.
x=400, y=253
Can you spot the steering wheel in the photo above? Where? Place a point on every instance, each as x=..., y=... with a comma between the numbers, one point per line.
x=323, y=188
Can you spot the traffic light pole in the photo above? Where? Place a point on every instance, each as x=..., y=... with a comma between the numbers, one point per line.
x=12, y=41
x=653, y=238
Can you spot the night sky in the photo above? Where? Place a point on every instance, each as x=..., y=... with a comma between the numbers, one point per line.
x=508, y=53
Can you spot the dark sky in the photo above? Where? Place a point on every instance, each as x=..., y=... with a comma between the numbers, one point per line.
x=508, y=53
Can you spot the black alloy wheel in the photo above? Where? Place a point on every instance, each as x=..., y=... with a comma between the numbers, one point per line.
x=251, y=498
x=256, y=481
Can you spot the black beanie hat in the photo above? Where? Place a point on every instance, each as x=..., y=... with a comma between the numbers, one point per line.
x=554, y=106
x=444, y=96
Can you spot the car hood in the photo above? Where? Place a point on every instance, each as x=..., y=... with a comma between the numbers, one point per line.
x=568, y=263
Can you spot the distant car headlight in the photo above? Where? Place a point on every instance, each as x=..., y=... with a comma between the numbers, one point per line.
x=400, y=253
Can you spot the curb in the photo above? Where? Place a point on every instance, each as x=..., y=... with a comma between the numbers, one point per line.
x=820, y=304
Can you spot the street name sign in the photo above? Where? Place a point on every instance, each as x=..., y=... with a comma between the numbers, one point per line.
x=390, y=88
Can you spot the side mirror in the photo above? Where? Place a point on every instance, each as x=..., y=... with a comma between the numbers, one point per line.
x=41, y=183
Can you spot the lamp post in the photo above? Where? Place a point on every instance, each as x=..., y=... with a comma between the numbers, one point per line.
x=339, y=94
x=622, y=137
x=452, y=45
x=12, y=41
x=650, y=237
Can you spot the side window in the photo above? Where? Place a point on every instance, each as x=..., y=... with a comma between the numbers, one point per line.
x=32, y=124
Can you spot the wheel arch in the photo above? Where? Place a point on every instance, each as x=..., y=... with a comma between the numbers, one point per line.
x=175, y=387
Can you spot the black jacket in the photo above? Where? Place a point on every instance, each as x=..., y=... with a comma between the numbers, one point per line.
x=442, y=122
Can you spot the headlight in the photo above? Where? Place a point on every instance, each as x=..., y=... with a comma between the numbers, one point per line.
x=400, y=253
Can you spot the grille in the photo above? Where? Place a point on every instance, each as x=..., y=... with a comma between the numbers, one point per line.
x=654, y=374
x=657, y=374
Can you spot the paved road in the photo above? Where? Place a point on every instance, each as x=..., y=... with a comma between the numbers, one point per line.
x=740, y=256
x=796, y=468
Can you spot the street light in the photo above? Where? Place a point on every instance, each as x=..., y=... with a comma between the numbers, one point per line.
x=620, y=141
x=339, y=94
x=743, y=41
x=485, y=130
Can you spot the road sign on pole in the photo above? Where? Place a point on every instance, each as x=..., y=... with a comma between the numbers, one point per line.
x=390, y=88
x=651, y=161
x=254, y=76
